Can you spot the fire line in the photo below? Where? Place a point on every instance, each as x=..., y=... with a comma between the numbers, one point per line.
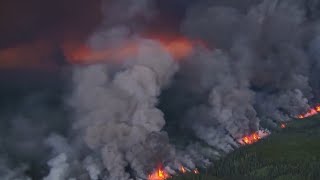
x=311, y=112
x=254, y=137
x=161, y=174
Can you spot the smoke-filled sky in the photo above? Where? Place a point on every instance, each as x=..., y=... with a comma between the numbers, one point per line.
x=35, y=33
x=108, y=89
x=32, y=32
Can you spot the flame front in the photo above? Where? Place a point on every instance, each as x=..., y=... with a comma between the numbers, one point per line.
x=159, y=174
x=162, y=174
x=252, y=138
x=311, y=112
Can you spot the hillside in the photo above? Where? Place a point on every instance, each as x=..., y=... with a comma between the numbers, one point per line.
x=290, y=154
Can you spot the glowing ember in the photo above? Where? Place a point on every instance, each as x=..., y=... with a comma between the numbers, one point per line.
x=196, y=171
x=283, y=125
x=313, y=111
x=254, y=137
x=182, y=169
x=159, y=174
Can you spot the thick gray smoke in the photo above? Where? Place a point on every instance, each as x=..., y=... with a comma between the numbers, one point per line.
x=118, y=115
x=259, y=68
x=24, y=129
x=115, y=112
x=257, y=75
x=227, y=112
x=265, y=68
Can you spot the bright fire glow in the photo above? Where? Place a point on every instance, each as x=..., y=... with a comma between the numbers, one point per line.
x=159, y=174
x=177, y=47
x=252, y=138
x=196, y=171
x=183, y=169
x=311, y=112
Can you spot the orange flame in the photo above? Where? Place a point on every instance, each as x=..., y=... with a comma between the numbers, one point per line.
x=159, y=174
x=178, y=48
x=283, y=125
x=252, y=138
x=311, y=112
x=182, y=169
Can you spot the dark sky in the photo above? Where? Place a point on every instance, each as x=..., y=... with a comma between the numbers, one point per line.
x=32, y=31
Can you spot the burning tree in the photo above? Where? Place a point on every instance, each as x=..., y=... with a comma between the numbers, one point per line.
x=159, y=174
x=311, y=112
x=254, y=137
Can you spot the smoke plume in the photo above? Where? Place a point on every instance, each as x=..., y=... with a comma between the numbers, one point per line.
x=138, y=101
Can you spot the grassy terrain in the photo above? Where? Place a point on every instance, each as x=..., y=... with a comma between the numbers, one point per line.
x=290, y=154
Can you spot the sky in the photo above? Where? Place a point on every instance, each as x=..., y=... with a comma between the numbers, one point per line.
x=33, y=33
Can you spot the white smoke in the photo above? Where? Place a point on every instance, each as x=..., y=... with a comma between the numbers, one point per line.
x=59, y=168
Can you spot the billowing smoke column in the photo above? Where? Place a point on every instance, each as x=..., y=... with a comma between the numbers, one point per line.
x=264, y=65
x=115, y=112
x=256, y=68
x=118, y=116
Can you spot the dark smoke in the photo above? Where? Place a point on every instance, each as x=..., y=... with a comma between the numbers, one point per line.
x=119, y=121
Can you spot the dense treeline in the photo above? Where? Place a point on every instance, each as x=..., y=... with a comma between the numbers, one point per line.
x=292, y=154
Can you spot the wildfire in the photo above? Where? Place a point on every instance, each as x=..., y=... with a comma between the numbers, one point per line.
x=196, y=171
x=178, y=47
x=254, y=137
x=159, y=174
x=311, y=112
x=183, y=169
x=283, y=125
